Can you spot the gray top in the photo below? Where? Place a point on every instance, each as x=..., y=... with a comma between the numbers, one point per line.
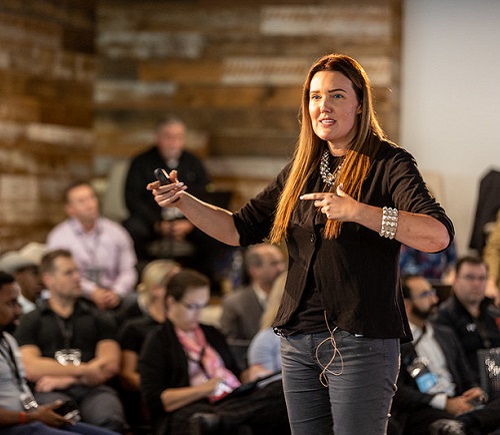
x=9, y=389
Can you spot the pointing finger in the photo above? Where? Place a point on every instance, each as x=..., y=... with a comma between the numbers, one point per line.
x=312, y=196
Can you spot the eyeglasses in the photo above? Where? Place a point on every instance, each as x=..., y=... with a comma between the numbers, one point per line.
x=192, y=307
x=426, y=294
x=480, y=278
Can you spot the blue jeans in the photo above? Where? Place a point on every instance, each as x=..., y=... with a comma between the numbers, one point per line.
x=38, y=428
x=361, y=383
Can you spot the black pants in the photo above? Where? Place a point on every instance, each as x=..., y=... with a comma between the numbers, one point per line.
x=486, y=419
x=263, y=409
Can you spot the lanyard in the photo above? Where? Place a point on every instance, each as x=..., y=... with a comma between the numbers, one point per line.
x=8, y=355
x=199, y=361
x=424, y=330
x=92, y=248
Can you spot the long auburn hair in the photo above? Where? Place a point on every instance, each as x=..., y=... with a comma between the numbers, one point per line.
x=307, y=156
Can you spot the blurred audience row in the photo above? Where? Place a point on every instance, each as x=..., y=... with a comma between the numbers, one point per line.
x=147, y=364
x=89, y=347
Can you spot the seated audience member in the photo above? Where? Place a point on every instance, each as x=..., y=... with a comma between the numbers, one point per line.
x=469, y=312
x=433, y=266
x=147, y=224
x=242, y=309
x=187, y=370
x=436, y=392
x=491, y=256
x=154, y=277
x=23, y=265
x=102, y=249
x=19, y=412
x=264, y=352
x=151, y=306
x=68, y=346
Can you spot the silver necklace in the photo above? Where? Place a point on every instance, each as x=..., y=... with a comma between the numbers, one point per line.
x=324, y=169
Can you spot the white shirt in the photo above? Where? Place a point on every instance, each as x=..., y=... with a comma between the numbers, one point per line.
x=428, y=347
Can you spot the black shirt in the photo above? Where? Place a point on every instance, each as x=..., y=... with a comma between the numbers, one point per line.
x=134, y=332
x=86, y=326
x=356, y=274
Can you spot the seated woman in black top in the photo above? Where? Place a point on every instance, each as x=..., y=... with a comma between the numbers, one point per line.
x=186, y=369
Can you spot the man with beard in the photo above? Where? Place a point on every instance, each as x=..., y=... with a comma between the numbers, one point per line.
x=436, y=389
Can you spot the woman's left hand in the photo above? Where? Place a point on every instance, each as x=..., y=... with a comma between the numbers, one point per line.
x=338, y=206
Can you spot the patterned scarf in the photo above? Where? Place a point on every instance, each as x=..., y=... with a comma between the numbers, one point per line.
x=204, y=362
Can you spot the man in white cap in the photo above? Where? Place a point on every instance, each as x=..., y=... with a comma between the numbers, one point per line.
x=23, y=265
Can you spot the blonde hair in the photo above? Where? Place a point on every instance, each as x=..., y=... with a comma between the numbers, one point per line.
x=157, y=273
x=364, y=147
x=273, y=302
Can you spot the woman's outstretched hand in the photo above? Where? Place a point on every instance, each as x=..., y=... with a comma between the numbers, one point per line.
x=167, y=195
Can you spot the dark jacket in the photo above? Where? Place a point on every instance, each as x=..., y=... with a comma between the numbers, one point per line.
x=408, y=397
x=488, y=204
x=139, y=202
x=241, y=314
x=356, y=274
x=163, y=363
x=474, y=334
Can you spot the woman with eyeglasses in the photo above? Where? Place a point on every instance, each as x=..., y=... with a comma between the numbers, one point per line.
x=187, y=370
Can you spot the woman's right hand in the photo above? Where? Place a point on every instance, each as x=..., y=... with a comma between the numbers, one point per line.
x=168, y=194
x=211, y=385
x=176, y=398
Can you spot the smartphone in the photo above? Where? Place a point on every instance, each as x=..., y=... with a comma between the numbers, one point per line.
x=162, y=176
x=69, y=411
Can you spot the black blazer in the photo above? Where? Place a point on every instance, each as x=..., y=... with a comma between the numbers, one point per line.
x=356, y=274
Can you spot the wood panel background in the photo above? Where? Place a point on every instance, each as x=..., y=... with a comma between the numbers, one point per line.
x=234, y=71
x=83, y=82
x=47, y=76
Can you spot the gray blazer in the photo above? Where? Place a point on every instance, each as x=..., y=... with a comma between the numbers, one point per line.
x=241, y=313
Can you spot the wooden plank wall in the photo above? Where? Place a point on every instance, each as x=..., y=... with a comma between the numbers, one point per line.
x=82, y=83
x=233, y=70
x=47, y=75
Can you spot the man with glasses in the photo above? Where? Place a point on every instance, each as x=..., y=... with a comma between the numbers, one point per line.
x=471, y=314
x=436, y=391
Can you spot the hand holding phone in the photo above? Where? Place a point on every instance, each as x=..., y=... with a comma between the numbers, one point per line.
x=162, y=176
x=69, y=411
